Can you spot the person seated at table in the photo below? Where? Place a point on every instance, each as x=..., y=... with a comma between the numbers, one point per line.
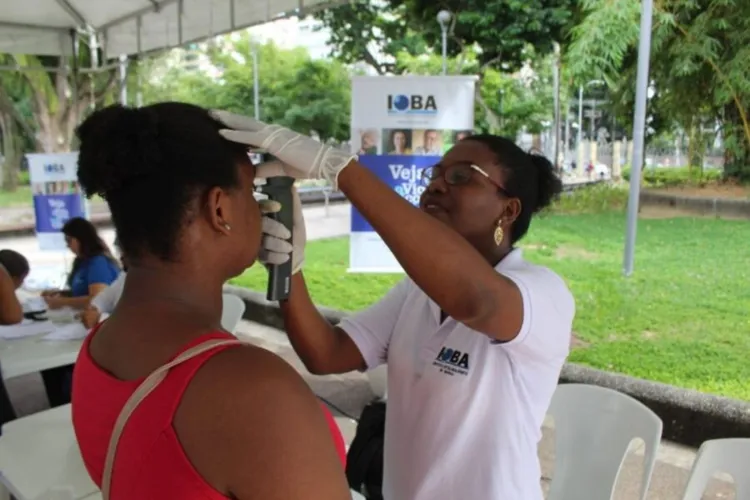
x=104, y=303
x=94, y=267
x=235, y=421
x=13, y=271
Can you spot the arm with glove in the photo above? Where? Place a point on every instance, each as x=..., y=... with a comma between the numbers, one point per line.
x=403, y=227
x=322, y=347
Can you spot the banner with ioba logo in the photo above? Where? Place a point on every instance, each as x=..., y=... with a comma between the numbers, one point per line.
x=400, y=126
x=57, y=196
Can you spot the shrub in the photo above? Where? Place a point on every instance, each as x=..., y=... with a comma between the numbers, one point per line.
x=676, y=176
x=598, y=198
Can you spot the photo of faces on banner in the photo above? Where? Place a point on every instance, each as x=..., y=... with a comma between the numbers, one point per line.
x=57, y=187
x=418, y=142
x=399, y=141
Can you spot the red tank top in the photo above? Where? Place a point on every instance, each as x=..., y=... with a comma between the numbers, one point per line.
x=151, y=463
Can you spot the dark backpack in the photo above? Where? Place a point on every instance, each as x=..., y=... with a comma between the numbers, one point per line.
x=364, y=461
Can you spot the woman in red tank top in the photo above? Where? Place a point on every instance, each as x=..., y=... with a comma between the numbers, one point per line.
x=235, y=421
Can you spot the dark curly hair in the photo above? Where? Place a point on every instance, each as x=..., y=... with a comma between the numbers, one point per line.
x=16, y=264
x=529, y=177
x=152, y=165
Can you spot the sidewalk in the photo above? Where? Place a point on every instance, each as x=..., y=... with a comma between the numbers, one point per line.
x=18, y=219
x=45, y=266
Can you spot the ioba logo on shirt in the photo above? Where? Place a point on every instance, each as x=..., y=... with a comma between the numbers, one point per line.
x=452, y=362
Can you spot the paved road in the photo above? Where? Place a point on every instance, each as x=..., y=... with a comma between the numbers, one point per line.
x=49, y=268
x=14, y=217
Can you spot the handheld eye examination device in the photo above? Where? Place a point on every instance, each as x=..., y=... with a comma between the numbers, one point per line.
x=278, y=189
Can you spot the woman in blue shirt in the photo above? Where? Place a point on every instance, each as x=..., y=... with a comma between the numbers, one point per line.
x=94, y=267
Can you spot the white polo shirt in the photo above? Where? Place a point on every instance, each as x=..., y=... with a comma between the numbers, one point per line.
x=464, y=413
x=106, y=300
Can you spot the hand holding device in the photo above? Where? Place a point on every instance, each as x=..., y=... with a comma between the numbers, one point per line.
x=275, y=244
x=279, y=189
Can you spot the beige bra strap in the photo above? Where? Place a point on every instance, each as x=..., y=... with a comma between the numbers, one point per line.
x=144, y=389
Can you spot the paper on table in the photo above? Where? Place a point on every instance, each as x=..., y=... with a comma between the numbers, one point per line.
x=63, y=315
x=71, y=331
x=25, y=328
x=34, y=304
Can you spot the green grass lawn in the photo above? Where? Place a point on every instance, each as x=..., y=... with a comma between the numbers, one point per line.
x=683, y=318
x=19, y=198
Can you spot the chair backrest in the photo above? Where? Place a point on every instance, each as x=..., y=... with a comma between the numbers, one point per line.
x=721, y=455
x=594, y=427
x=378, y=379
x=232, y=310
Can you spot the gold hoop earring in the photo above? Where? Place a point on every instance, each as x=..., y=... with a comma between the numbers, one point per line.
x=499, y=233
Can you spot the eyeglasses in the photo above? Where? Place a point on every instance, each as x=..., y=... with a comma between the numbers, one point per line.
x=457, y=175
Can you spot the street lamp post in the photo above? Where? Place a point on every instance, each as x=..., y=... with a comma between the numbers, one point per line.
x=579, y=142
x=580, y=118
x=639, y=134
x=444, y=18
x=256, y=90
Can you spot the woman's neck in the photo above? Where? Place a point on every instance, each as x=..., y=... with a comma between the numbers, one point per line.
x=500, y=254
x=174, y=288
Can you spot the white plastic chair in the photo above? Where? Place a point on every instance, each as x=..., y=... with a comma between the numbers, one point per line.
x=378, y=379
x=231, y=312
x=721, y=455
x=594, y=427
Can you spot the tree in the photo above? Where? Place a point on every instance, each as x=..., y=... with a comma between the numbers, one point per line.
x=482, y=35
x=37, y=111
x=54, y=114
x=699, y=66
x=295, y=91
x=508, y=103
x=14, y=106
x=376, y=31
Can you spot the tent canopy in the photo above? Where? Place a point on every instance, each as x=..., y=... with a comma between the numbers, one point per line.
x=44, y=27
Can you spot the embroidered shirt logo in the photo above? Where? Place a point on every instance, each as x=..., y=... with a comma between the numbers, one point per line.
x=452, y=362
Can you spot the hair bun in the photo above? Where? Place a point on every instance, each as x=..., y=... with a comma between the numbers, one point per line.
x=549, y=185
x=116, y=144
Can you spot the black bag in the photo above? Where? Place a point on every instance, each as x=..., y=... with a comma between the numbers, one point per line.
x=364, y=461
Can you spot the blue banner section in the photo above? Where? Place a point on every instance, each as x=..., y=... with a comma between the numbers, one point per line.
x=52, y=211
x=402, y=173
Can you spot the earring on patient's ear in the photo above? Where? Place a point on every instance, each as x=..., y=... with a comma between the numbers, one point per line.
x=499, y=233
x=227, y=227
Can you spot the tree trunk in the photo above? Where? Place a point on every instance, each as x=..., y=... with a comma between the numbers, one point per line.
x=11, y=151
x=736, y=146
x=696, y=149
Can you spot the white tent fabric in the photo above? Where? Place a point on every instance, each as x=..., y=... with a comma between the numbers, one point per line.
x=44, y=27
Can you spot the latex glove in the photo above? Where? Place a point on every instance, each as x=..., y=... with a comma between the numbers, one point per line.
x=274, y=247
x=304, y=157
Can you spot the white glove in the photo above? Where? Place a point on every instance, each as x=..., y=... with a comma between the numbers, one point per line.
x=306, y=157
x=274, y=247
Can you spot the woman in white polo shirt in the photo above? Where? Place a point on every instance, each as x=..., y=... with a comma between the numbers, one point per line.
x=103, y=304
x=475, y=336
